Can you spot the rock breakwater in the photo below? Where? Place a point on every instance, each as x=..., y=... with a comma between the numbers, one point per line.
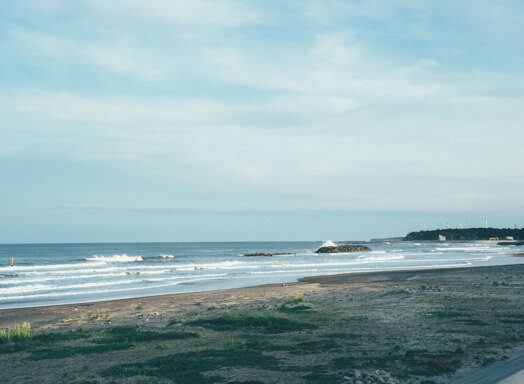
x=266, y=254
x=343, y=248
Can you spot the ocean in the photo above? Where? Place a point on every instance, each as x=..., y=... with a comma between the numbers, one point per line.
x=46, y=274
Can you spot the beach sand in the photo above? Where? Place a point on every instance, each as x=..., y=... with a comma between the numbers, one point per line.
x=423, y=325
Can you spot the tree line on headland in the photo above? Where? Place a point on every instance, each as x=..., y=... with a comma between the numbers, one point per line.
x=467, y=234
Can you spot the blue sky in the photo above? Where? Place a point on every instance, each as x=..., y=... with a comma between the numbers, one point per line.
x=264, y=120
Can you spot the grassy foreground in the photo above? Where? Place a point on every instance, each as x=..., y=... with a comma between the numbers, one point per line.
x=423, y=327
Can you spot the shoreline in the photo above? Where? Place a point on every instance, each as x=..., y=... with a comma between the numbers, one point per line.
x=418, y=326
x=116, y=277
x=11, y=316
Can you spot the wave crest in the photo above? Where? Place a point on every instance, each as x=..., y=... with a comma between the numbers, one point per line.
x=328, y=243
x=123, y=258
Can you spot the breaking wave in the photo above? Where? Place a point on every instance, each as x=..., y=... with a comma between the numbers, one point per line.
x=380, y=258
x=328, y=243
x=123, y=258
x=98, y=273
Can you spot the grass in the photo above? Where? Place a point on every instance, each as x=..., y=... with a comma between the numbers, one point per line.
x=41, y=340
x=259, y=343
x=188, y=367
x=294, y=309
x=422, y=362
x=18, y=333
x=115, y=339
x=471, y=321
x=55, y=337
x=69, y=351
x=346, y=362
x=136, y=334
x=342, y=336
x=447, y=314
x=267, y=322
x=55, y=345
x=512, y=321
x=315, y=347
x=298, y=298
x=174, y=321
x=12, y=348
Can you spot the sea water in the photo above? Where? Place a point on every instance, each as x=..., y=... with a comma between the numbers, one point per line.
x=46, y=274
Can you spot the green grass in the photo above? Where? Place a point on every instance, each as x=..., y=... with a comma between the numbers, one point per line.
x=344, y=336
x=136, y=334
x=42, y=340
x=298, y=298
x=295, y=309
x=315, y=347
x=12, y=348
x=357, y=318
x=115, y=339
x=261, y=343
x=447, y=314
x=55, y=337
x=512, y=321
x=188, y=368
x=69, y=351
x=267, y=322
x=346, y=362
x=245, y=382
x=321, y=377
x=56, y=345
x=423, y=362
x=174, y=321
x=471, y=321
x=18, y=333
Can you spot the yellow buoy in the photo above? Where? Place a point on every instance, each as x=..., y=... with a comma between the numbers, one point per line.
x=11, y=261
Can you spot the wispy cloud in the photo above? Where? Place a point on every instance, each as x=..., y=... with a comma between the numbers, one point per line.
x=268, y=107
x=121, y=56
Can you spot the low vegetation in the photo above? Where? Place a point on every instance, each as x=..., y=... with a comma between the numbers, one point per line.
x=267, y=322
x=190, y=367
x=16, y=334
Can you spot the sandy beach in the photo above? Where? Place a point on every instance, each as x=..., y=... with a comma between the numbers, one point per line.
x=418, y=325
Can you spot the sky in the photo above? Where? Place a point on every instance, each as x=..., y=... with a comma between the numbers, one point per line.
x=227, y=120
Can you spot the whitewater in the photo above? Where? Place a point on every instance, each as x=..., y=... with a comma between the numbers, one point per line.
x=46, y=274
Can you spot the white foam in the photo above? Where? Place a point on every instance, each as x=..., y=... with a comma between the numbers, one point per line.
x=123, y=258
x=380, y=258
x=105, y=276
x=184, y=277
x=42, y=287
x=60, y=278
x=22, y=289
x=469, y=249
x=91, y=292
x=328, y=243
x=46, y=267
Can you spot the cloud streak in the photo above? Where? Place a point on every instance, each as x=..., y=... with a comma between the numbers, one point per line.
x=264, y=107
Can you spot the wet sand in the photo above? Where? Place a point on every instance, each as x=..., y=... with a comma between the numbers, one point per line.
x=156, y=303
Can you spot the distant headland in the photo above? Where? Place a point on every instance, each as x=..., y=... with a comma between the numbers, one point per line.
x=467, y=234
